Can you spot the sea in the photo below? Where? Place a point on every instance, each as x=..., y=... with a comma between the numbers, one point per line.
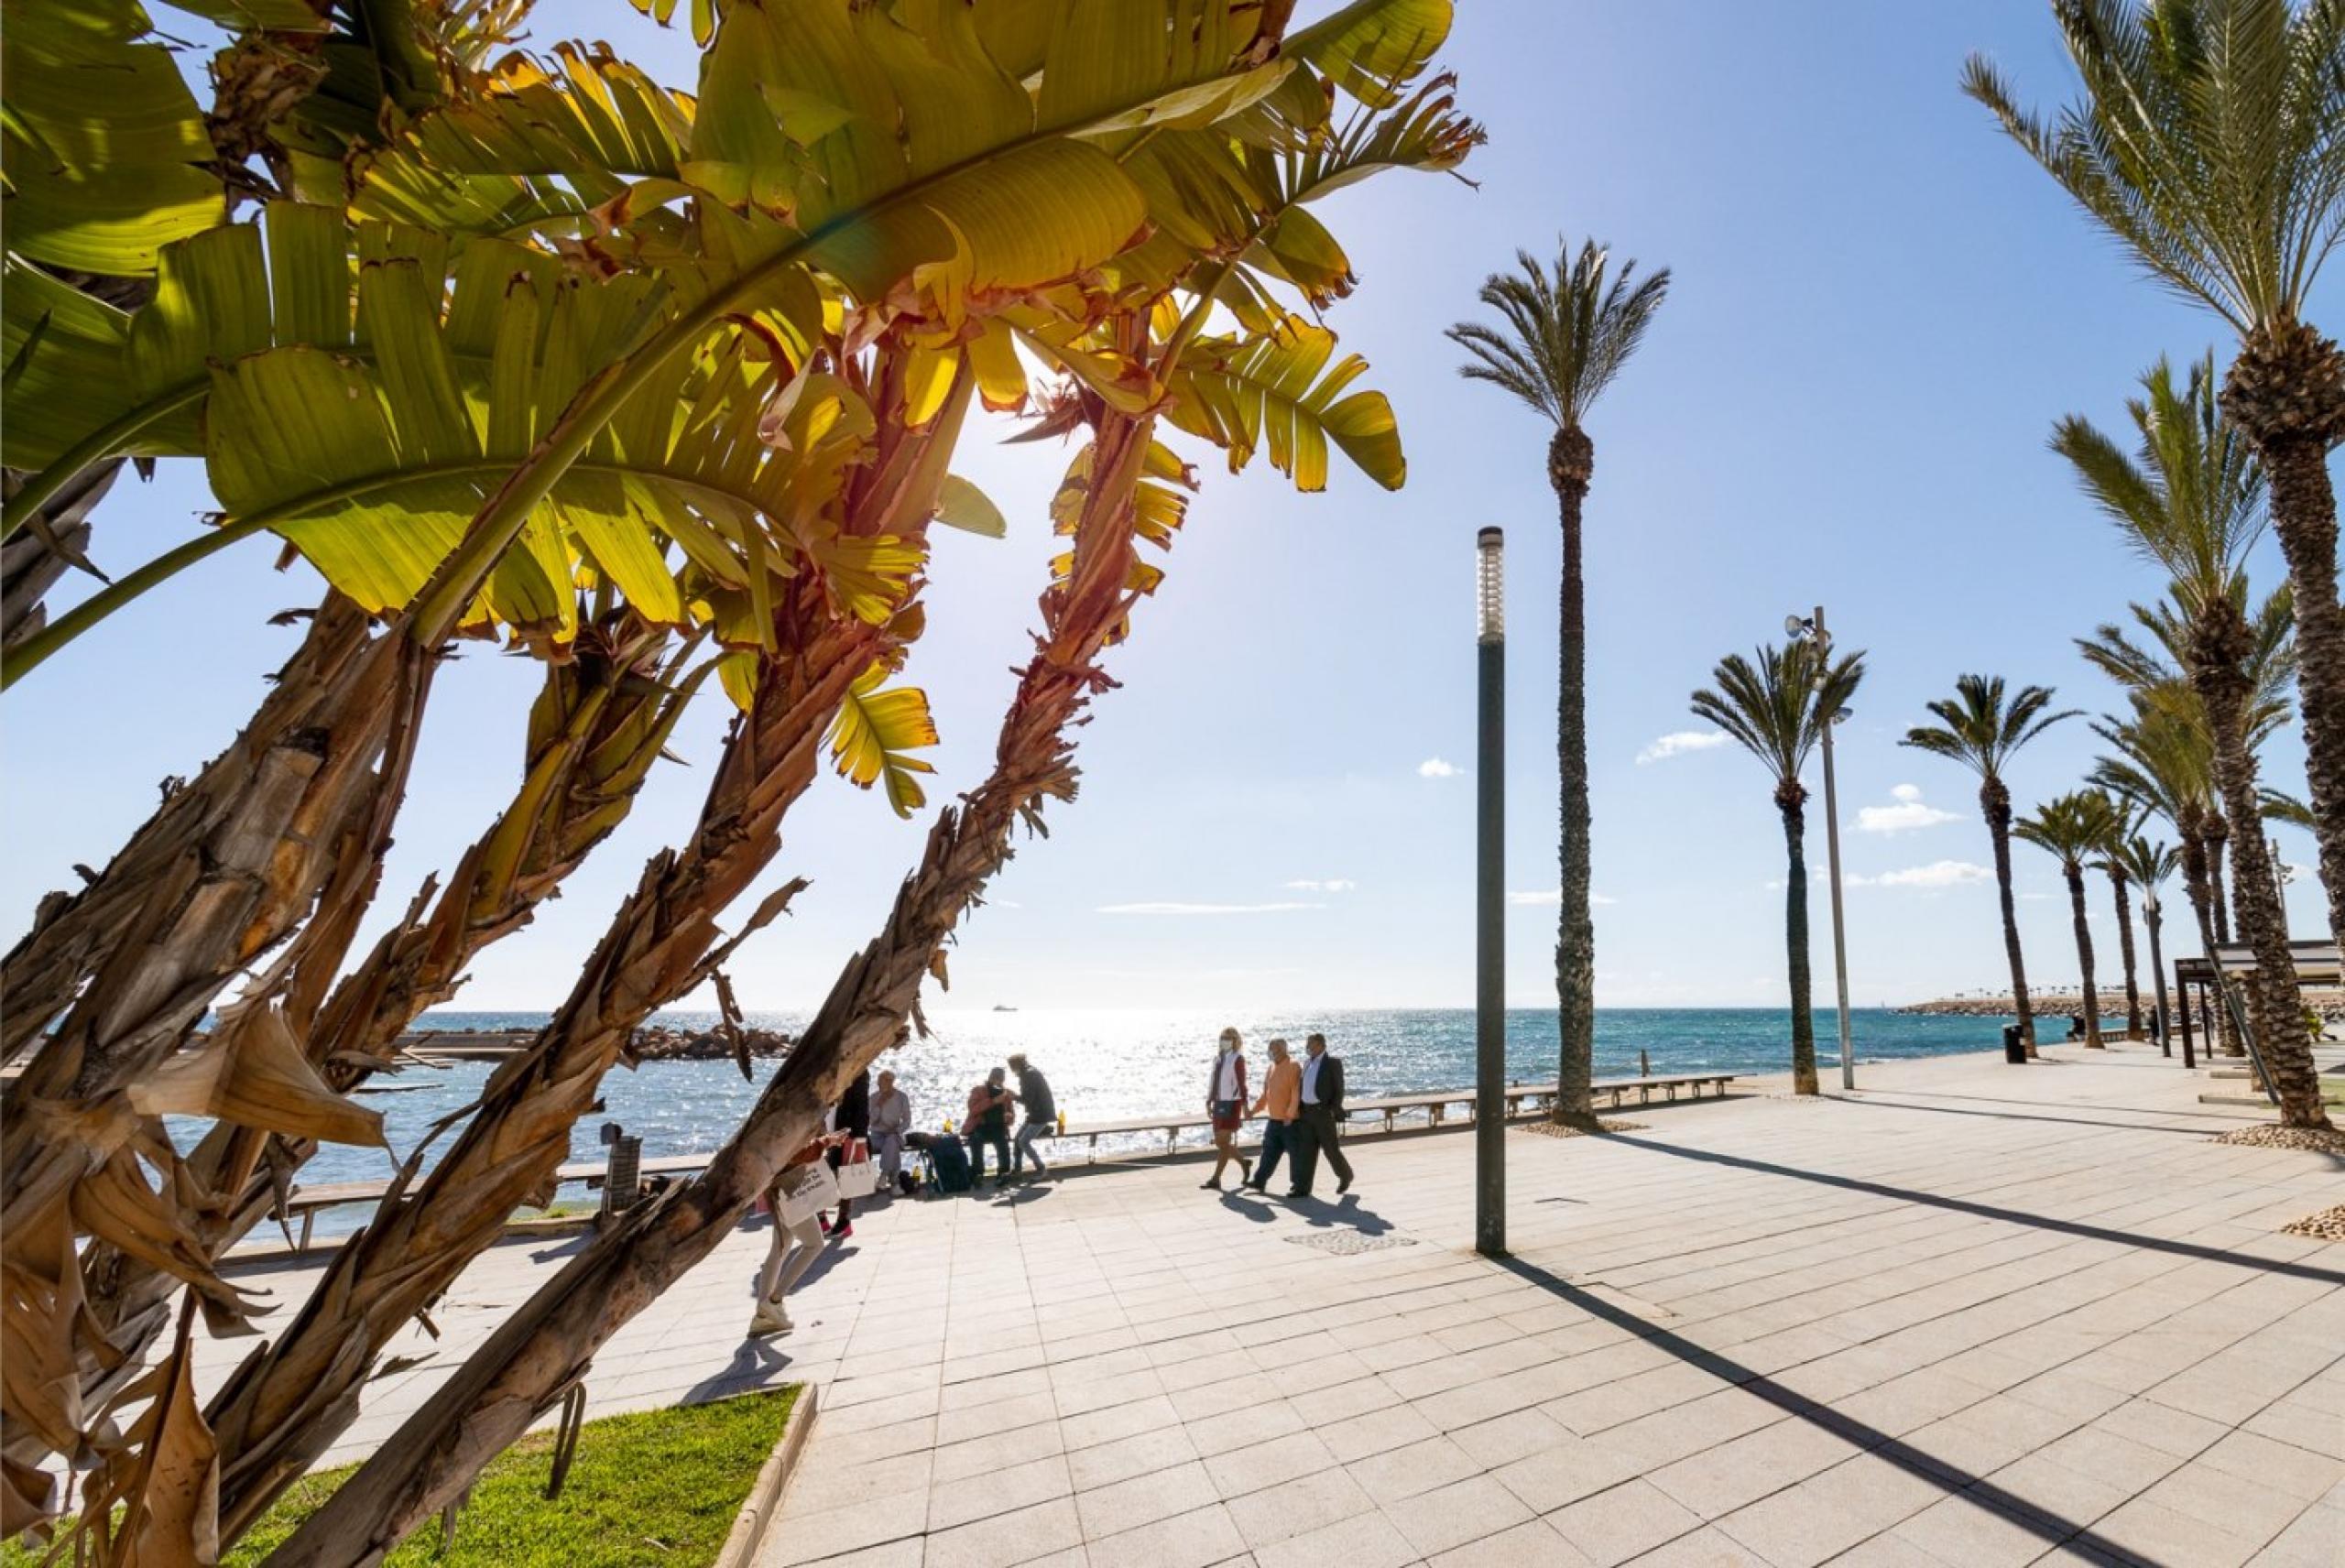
x=1109, y=1064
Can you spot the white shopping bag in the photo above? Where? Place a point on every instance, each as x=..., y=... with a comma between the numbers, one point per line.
x=857, y=1177
x=806, y=1191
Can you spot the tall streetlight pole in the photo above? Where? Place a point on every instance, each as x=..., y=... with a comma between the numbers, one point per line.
x=1489, y=899
x=1813, y=626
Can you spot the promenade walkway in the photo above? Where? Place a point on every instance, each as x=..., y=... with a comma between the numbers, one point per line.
x=1973, y=1315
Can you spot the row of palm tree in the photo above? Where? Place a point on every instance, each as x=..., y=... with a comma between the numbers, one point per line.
x=2210, y=141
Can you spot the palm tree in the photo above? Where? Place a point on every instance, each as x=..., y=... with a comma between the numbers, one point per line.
x=2110, y=862
x=1977, y=728
x=2190, y=500
x=2210, y=141
x=1561, y=341
x=1777, y=707
x=2147, y=864
x=2072, y=827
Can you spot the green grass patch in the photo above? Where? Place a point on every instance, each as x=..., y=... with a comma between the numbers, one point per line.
x=661, y=1486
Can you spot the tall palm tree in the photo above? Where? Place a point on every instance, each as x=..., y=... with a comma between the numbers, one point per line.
x=1776, y=704
x=2109, y=860
x=2147, y=864
x=2210, y=141
x=1977, y=728
x=2072, y=827
x=1560, y=341
x=2191, y=499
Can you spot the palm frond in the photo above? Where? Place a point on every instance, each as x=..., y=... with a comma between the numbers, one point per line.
x=1564, y=336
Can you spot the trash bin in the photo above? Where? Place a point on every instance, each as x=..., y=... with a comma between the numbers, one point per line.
x=2015, y=1047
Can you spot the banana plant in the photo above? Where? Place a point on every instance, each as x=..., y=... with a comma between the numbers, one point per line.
x=1123, y=488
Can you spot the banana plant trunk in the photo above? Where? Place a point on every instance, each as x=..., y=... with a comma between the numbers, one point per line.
x=548, y=1344
x=285, y=1404
x=2275, y=1004
x=2286, y=391
x=1790, y=800
x=1571, y=466
x=34, y=557
x=1995, y=803
x=2076, y=879
x=2117, y=881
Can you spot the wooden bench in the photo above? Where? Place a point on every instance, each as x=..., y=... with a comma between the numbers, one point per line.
x=1521, y=1099
x=304, y=1203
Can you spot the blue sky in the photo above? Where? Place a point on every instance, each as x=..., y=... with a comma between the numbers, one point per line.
x=1879, y=308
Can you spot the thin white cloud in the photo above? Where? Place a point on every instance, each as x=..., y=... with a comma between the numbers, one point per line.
x=1909, y=813
x=1680, y=741
x=1434, y=768
x=1168, y=907
x=1554, y=897
x=1332, y=885
x=1937, y=873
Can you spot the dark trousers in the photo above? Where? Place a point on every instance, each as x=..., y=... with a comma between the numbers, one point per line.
x=1312, y=1134
x=996, y=1138
x=1277, y=1138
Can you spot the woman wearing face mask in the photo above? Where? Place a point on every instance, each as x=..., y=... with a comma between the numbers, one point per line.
x=1226, y=1103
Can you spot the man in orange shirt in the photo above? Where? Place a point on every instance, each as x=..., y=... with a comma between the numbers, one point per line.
x=1281, y=1102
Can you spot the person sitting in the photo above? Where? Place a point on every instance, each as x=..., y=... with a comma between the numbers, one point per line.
x=1041, y=1114
x=891, y=1119
x=988, y=1127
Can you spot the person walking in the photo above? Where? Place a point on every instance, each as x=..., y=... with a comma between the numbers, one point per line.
x=891, y=1119
x=851, y=1117
x=791, y=1249
x=1282, y=1101
x=1042, y=1115
x=1316, y=1126
x=989, y=1127
x=1226, y=1103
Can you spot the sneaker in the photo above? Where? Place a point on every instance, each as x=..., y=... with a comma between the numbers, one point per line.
x=823, y=1221
x=842, y=1232
x=770, y=1318
x=1208, y=1186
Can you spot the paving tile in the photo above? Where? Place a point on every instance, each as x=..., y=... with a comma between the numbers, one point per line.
x=1143, y=1499
x=1296, y=1506
x=1617, y=1525
x=1962, y=1530
x=1399, y=1474
x=997, y=1491
x=1740, y=1472
x=1006, y=1538
x=1242, y=1471
x=2162, y=1535
x=1104, y=1464
x=1533, y=1544
x=1363, y=1540
x=1193, y=1540
x=1446, y=1517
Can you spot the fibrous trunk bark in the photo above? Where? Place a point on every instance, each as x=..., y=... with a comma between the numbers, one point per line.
x=2286, y=391
x=34, y=557
x=2125, y=952
x=2275, y=1004
x=1571, y=462
x=2076, y=879
x=1795, y=938
x=598, y=725
x=1995, y=803
x=548, y=1344
x=286, y=1404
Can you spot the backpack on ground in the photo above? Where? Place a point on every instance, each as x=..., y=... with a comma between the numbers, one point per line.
x=951, y=1164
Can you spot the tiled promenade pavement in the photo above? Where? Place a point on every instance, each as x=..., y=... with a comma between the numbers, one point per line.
x=1977, y=1315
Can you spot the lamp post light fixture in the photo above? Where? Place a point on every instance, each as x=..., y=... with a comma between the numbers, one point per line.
x=1490, y=897
x=1812, y=627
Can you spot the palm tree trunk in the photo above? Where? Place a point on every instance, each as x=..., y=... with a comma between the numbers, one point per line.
x=2218, y=834
x=1570, y=464
x=2125, y=950
x=2286, y=391
x=549, y=1340
x=2153, y=920
x=2076, y=878
x=1795, y=944
x=2274, y=1005
x=2201, y=871
x=1995, y=800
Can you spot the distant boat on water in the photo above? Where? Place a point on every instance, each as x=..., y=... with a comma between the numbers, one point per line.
x=1003, y=1007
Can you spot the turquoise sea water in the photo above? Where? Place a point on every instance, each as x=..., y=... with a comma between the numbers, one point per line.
x=1106, y=1064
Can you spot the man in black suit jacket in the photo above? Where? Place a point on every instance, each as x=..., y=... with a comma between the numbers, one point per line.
x=1315, y=1129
